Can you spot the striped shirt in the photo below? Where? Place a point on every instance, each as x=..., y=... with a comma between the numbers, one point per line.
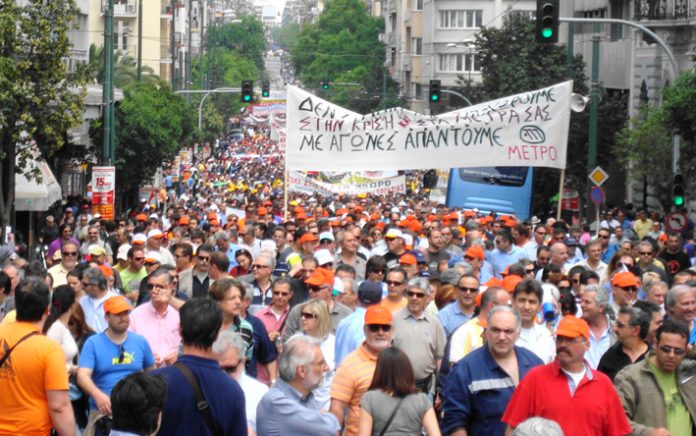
x=352, y=379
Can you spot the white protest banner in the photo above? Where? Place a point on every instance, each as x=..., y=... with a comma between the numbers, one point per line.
x=528, y=129
x=300, y=183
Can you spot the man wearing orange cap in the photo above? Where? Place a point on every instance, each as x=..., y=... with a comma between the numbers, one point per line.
x=581, y=400
x=354, y=376
x=307, y=243
x=110, y=356
x=475, y=256
x=320, y=286
x=624, y=290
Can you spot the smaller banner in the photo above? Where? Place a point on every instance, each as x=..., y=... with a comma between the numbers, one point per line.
x=104, y=191
x=300, y=183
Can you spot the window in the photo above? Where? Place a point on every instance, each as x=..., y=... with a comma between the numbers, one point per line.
x=460, y=62
x=417, y=5
x=417, y=91
x=530, y=15
x=461, y=19
x=417, y=46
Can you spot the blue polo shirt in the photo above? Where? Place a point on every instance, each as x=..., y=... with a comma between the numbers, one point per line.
x=225, y=397
x=350, y=334
x=478, y=391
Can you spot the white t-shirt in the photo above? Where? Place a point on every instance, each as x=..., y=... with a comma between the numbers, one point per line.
x=253, y=392
x=61, y=334
x=538, y=340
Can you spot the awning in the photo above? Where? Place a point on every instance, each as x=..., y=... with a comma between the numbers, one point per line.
x=35, y=196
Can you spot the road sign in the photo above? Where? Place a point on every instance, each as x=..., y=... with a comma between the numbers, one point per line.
x=598, y=176
x=597, y=195
x=676, y=222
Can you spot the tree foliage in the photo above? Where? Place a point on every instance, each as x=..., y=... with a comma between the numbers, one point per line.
x=513, y=62
x=344, y=44
x=152, y=124
x=125, y=68
x=246, y=38
x=285, y=36
x=679, y=105
x=39, y=98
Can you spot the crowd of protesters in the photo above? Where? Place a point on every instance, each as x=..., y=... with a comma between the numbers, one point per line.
x=213, y=310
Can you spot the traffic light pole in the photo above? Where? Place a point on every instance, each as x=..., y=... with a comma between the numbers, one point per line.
x=107, y=89
x=595, y=57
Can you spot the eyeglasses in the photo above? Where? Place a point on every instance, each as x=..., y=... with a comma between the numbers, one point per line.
x=393, y=283
x=418, y=295
x=469, y=290
x=645, y=253
x=669, y=350
x=603, y=236
x=529, y=271
x=374, y=328
x=204, y=258
x=256, y=266
x=629, y=288
x=231, y=369
x=69, y=253
x=306, y=315
x=282, y=294
x=379, y=271
x=316, y=288
x=138, y=259
x=121, y=353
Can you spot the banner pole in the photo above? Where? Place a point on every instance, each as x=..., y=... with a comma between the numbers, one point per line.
x=285, y=195
x=560, y=194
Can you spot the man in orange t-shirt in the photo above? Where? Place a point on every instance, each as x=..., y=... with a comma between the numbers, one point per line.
x=33, y=379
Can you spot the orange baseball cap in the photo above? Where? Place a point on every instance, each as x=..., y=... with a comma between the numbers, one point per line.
x=141, y=217
x=214, y=222
x=573, y=327
x=476, y=252
x=308, y=237
x=262, y=211
x=510, y=282
x=321, y=276
x=624, y=279
x=107, y=271
x=378, y=314
x=116, y=305
x=408, y=259
x=184, y=220
x=493, y=281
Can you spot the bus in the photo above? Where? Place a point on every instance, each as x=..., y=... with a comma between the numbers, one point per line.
x=505, y=190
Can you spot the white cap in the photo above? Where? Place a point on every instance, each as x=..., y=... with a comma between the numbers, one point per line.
x=326, y=235
x=123, y=252
x=153, y=255
x=139, y=238
x=154, y=216
x=338, y=285
x=408, y=240
x=154, y=233
x=394, y=233
x=323, y=257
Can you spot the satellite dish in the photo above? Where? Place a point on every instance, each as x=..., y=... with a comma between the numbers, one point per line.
x=578, y=102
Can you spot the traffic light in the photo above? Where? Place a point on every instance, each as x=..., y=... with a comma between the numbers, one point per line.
x=678, y=190
x=434, y=91
x=547, y=21
x=265, y=89
x=325, y=84
x=247, y=91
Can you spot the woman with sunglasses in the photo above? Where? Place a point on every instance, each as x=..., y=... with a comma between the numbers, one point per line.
x=315, y=321
x=393, y=405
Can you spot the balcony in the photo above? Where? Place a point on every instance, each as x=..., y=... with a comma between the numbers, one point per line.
x=664, y=10
x=124, y=9
x=165, y=54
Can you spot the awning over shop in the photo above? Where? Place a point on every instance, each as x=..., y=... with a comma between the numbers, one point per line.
x=37, y=196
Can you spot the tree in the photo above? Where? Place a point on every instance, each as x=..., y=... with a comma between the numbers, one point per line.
x=246, y=38
x=344, y=43
x=40, y=98
x=152, y=124
x=285, y=36
x=125, y=68
x=680, y=108
x=513, y=62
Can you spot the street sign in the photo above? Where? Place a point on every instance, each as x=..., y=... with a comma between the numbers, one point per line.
x=676, y=222
x=598, y=176
x=597, y=195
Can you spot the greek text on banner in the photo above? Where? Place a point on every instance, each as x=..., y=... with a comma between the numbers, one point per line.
x=528, y=129
x=391, y=185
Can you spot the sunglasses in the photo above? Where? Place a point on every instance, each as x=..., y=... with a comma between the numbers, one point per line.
x=392, y=283
x=374, y=328
x=669, y=350
x=138, y=259
x=379, y=271
x=255, y=267
x=629, y=288
x=305, y=315
x=121, y=354
x=282, y=294
x=418, y=295
x=204, y=258
x=316, y=288
x=69, y=253
x=645, y=253
x=469, y=290
x=603, y=236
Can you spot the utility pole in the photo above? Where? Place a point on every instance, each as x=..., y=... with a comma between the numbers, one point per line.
x=173, y=43
x=188, y=81
x=140, y=41
x=108, y=88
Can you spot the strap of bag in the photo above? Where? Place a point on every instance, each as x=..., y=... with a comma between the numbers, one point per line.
x=24, y=338
x=201, y=403
x=391, y=418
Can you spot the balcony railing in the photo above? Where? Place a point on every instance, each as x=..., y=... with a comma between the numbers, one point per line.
x=122, y=9
x=664, y=9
